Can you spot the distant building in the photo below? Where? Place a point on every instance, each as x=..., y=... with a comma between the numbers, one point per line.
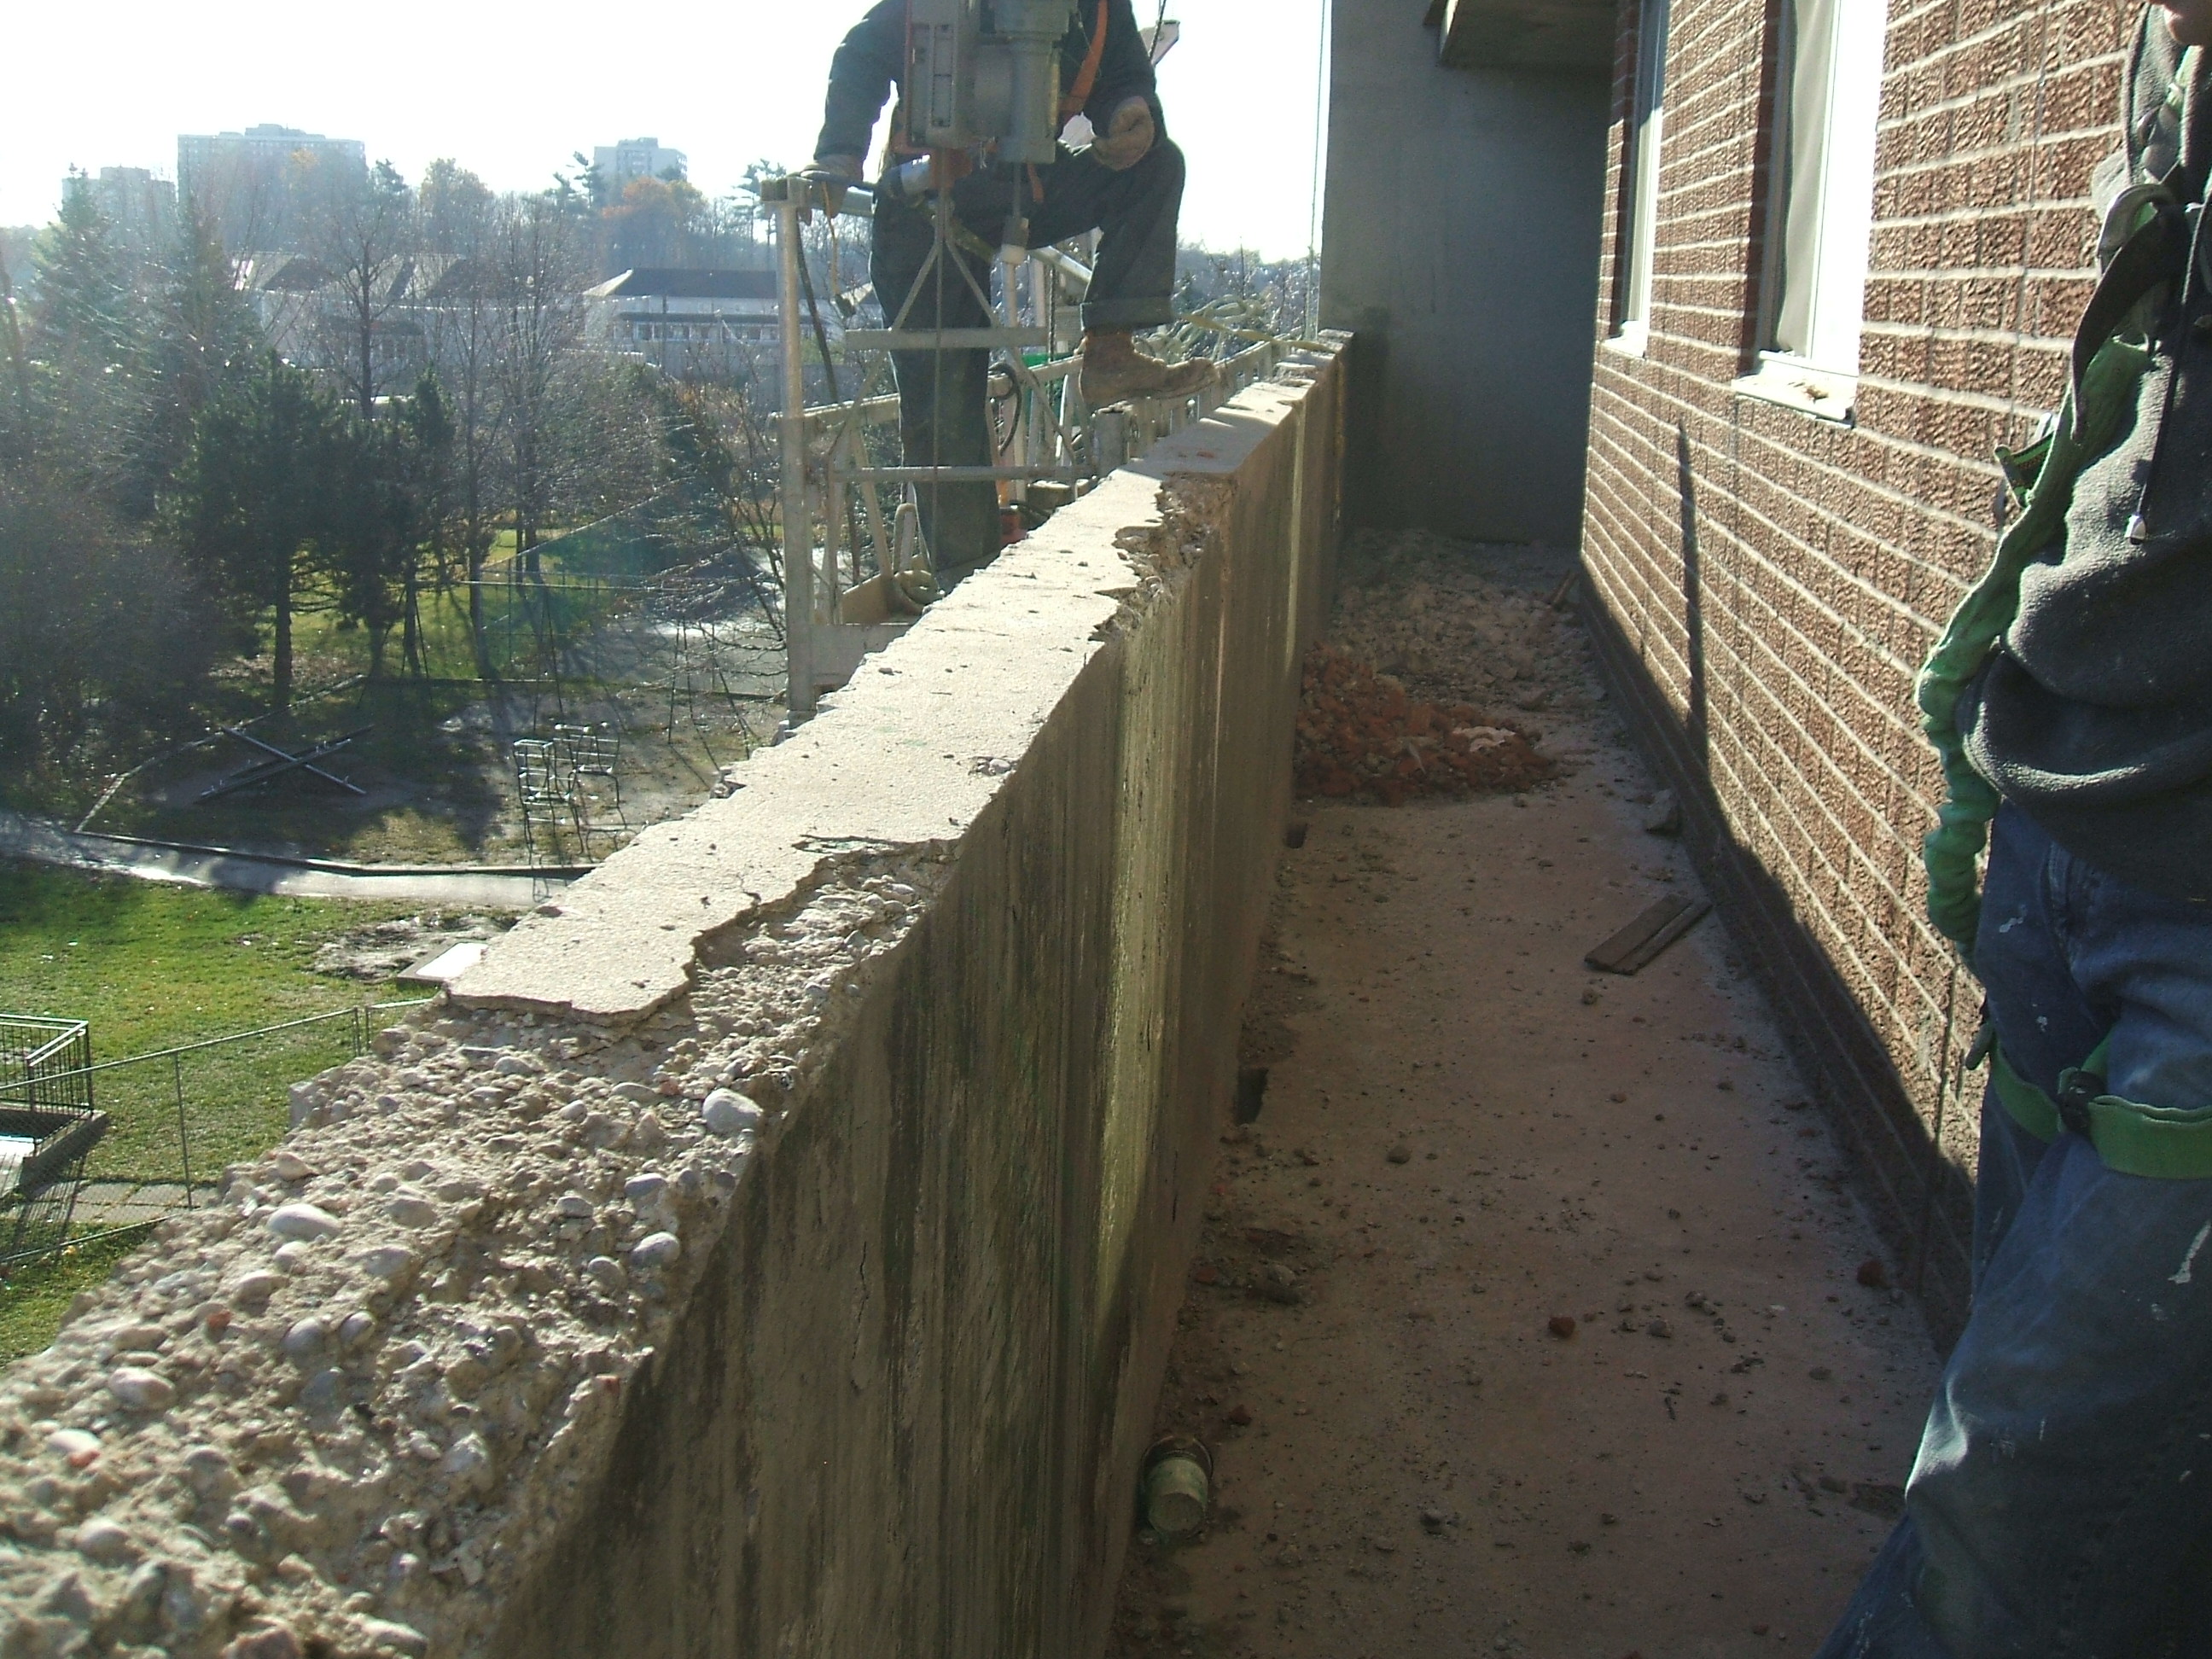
x=634, y=158
x=309, y=316
x=261, y=183
x=142, y=207
x=688, y=321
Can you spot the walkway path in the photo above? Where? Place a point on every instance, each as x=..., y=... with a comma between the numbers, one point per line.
x=45, y=843
x=1468, y=1141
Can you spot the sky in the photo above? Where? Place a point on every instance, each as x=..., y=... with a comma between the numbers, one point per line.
x=510, y=91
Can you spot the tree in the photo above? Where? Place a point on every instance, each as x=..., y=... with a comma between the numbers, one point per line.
x=365, y=236
x=93, y=617
x=252, y=497
x=203, y=338
x=454, y=206
x=462, y=226
x=81, y=344
x=537, y=282
x=83, y=309
x=15, y=387
x=713, y=439
x=369, y=526
x=656, y=222
x=430, y=428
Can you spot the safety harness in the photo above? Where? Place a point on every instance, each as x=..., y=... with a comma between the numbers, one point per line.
x=2132, y=1138
x=2146, y=235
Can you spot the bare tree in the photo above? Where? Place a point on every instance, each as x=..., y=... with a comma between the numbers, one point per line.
x=462, y=229
x=365, y=237
x=539, y=276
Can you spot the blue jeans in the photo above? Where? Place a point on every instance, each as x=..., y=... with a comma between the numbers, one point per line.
x=2061, y=1501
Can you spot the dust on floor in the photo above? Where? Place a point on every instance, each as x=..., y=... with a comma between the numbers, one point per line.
x=1576, y=1357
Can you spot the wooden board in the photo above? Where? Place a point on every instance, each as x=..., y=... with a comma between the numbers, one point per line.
x=1644, y=939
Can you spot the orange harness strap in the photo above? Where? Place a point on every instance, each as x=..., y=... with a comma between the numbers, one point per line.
x=1086, y=80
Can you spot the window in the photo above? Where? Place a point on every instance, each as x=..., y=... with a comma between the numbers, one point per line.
x=1820, y=216
x=1647, y=116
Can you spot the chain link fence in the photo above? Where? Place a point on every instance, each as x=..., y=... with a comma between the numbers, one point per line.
x=167, y=1122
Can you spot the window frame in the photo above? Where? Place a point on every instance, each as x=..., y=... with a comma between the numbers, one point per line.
x=1826, y=217
x=1642, y=153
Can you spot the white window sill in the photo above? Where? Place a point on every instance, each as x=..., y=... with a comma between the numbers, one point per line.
x=1631, y=341
x=1791, y=382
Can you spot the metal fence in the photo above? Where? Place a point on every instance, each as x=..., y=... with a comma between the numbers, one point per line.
x=558, y=610
x=170, y=1119
x=48, y=1123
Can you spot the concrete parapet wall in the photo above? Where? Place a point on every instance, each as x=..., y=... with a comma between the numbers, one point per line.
x=772, y=1247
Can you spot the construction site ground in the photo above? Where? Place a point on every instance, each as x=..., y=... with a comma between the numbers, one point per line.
x=1532, y=1315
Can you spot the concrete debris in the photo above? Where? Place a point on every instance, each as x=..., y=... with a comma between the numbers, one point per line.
x=277, y=1432
x=1664, y=817
x=1277, y=1283
x=384, y=950
x=1360, y=734
x=1431, y=612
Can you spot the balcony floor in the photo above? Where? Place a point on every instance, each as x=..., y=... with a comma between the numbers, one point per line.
x=1705, y=1465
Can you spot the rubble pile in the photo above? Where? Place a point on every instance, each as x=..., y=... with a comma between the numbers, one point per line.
x=1444, y=617
x=1361, y=733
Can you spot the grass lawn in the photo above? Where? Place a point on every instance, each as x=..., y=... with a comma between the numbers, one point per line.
x=32, y=1301
x=152, y=966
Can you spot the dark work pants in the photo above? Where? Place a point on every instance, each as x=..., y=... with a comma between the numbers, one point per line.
x=942, y=395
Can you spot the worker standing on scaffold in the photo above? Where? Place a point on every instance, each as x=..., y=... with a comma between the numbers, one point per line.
x=1127, y=184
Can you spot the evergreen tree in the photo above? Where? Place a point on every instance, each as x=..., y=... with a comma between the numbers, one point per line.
x=370, y=526
x=253, y=496
x=82, y=314
x=431, y=427
x=16, y=403
x=80, y=345
x=205, y=337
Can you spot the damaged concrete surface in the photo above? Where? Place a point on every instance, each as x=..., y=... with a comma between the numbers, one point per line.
x=1531, y=1313
x=771, y=1248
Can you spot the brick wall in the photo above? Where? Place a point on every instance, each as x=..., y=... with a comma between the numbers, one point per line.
x=1766, y=583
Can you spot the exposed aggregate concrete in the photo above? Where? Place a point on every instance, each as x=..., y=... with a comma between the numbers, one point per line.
x=296, y=1424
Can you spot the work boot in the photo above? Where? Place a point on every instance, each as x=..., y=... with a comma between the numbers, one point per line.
x=1115, y=371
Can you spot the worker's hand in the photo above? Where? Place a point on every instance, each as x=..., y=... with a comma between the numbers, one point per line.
x=835, y=174
x=1129, y=136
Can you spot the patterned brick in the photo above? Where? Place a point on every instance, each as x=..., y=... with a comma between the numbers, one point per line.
x=1829, y=557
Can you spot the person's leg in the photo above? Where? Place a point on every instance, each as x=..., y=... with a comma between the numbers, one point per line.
x=942, y=420
x=2061, y=1501
x=1133, y=285
x=1136, y=212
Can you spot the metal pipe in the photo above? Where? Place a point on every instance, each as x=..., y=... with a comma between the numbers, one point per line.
x=1072, y=272
x=798, y=528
